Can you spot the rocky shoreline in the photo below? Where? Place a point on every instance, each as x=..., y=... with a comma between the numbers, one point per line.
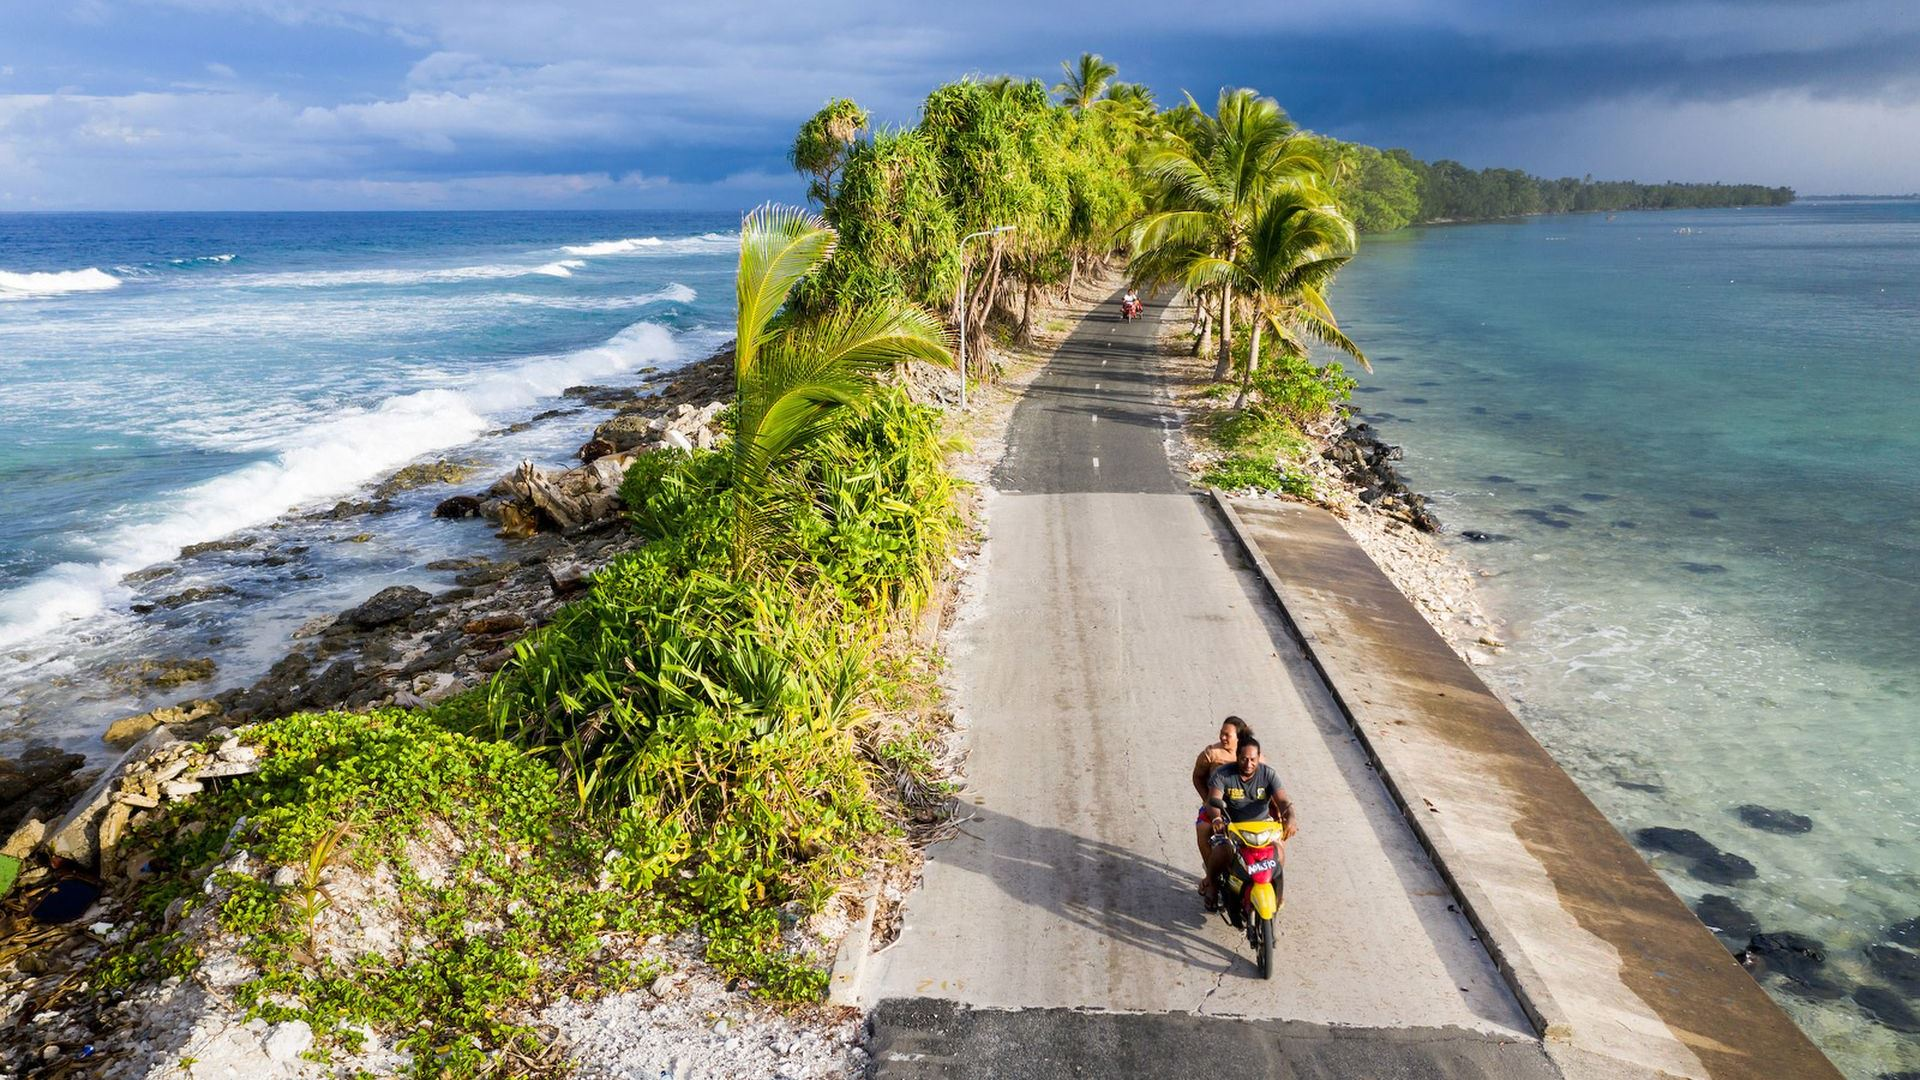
x=405, y=645
x=401, y=646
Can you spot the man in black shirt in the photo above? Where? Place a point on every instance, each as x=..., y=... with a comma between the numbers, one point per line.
x=1247, y=790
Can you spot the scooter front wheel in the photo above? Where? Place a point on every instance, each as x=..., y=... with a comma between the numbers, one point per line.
x=1265, y=947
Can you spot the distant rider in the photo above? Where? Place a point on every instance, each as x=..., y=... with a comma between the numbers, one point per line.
x=1131, y=304
x=1247, y=790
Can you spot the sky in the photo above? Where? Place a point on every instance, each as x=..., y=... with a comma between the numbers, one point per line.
x=458, y=104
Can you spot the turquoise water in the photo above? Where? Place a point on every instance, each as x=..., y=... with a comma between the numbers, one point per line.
x=1699, y=434
x=169, y=379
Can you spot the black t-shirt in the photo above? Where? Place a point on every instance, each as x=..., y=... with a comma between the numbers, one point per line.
x=1246, y=799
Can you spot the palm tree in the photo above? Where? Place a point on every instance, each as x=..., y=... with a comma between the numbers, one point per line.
x=1212, y=176
x=794, y=379
x=1299, y=241
x=1084, y=81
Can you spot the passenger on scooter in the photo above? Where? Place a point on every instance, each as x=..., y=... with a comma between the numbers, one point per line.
x=1247, y=790
x=1217, y=753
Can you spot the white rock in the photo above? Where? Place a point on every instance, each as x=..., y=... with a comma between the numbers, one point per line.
x=288, y=1040
x=676, y=440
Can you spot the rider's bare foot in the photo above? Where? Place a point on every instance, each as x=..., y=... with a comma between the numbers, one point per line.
x=1209, y=895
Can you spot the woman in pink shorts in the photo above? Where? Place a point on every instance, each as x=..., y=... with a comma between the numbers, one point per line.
x=1217, y=753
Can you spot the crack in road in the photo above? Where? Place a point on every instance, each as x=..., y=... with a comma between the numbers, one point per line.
x=1219, y=978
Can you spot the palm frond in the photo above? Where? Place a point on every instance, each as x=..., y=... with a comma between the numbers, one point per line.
x=779, y=245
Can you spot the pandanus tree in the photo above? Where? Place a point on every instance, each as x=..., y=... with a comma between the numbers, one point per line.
x=796, y=377
x=822, y=146
x=1211, y=177
x=1298, y=242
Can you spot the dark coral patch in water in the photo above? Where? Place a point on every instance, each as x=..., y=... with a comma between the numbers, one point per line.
x=1785, y=822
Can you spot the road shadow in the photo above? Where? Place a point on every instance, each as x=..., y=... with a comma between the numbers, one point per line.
x=1107, y=890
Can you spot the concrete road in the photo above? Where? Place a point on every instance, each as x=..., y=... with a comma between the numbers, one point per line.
x=1111, y=628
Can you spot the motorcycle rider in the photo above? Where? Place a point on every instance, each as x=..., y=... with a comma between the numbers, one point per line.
x=1131, y=303
x=1247, y=790
x=1217, y=753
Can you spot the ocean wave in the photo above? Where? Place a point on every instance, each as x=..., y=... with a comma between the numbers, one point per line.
x=309, y=279
x=674, y=293
x=312, y=465
x=202, y=260
x=54, y=283
x=614, y=247
x=653, y=244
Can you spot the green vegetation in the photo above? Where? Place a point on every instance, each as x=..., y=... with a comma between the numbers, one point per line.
x=1239, y=471
x=512, y=914
x=795, y=377
x=1242, y=217
x=984, y=153
x=1383, y=190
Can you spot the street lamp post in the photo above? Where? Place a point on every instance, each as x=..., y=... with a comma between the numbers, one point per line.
x=996, y=230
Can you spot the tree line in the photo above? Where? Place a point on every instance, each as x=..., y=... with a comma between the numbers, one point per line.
x=1384, y=190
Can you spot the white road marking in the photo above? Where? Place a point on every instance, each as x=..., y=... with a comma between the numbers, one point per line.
x=1096, y=386
x=1096, y=463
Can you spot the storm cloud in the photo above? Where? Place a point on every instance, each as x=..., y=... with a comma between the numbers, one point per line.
x=346, y=103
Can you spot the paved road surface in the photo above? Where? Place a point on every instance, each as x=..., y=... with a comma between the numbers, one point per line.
x=1112, y=630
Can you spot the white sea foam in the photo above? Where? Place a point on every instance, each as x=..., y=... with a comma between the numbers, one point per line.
x=674, y=293
x=312, y=465
x=654, y=245
x=615, y=247
x=202, y=260
x=398, y=276
x=55, y=283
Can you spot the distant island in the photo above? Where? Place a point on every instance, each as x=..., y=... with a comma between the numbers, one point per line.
x=1909, y=196
x=1384, y=190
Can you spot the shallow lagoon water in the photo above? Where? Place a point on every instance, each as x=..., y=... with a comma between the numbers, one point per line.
x=1701, y=433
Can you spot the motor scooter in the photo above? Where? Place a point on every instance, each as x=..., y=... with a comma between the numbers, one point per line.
x=1250, y=885
x=1131, y=309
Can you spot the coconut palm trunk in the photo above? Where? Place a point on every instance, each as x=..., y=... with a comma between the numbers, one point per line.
x=1223, y=366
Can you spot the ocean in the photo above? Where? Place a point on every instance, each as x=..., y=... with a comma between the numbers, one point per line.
x=1692, y=442
x=173, y=379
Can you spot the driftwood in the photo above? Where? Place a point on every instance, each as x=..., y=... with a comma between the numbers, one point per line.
x=566, y=511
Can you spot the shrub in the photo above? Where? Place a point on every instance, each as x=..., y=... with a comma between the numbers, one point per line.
x=716, y=718
x=1240, y=471
x=515, y=916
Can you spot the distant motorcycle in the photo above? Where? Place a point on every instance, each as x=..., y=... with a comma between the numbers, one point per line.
x=1250, y=887
x=1131, y=309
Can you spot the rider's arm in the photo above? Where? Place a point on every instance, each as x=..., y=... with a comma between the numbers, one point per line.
x=1202, y=770
x=1282, y=809
x=1216, y=805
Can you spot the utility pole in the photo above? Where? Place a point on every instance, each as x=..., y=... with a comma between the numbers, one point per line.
x=995, y=231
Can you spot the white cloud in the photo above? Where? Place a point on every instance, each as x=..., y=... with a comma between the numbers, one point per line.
x=219, y=70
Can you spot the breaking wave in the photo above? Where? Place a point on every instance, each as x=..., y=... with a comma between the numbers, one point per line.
x=320, y=461
x=394, y=276
x=54, y=283
x=636, y=244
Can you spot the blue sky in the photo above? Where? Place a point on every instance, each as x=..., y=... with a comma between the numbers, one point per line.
x=253, y=104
